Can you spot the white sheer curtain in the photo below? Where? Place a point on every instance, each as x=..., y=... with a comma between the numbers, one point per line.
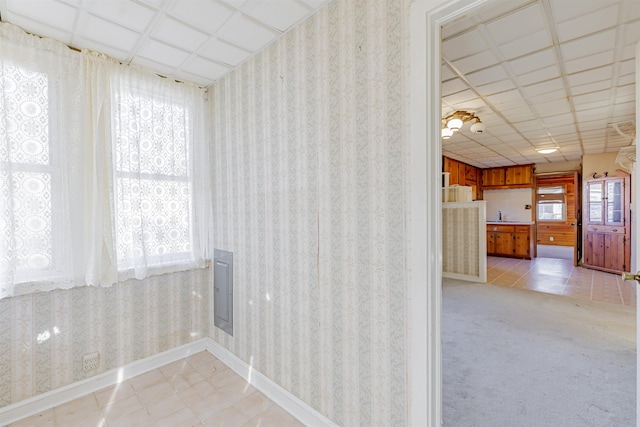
x=161, y=173
x=41, y=168
x=103, y=169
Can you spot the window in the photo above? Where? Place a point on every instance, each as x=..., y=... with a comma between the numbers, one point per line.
x=27, y=178
x=551, y=203
x=152, y=180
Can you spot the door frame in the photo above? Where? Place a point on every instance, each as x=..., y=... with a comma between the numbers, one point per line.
x=424, y=217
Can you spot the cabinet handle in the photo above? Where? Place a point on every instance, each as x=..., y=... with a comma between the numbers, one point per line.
x=615, y=230
x=595, y=229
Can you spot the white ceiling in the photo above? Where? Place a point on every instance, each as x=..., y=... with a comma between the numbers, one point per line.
x=538, y=73
x=190, y=40
x=541, y=73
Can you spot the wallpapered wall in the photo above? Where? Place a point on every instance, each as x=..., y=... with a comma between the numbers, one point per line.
x=309, y=179
x=43, y=336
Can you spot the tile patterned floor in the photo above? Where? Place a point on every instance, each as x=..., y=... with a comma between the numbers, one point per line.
x=559, y=276
x=197, y=391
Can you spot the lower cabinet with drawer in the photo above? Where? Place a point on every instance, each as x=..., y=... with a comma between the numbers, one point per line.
x=606, y=248
x=509, y=240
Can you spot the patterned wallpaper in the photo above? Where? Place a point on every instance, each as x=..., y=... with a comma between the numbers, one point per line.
x=43, y=336
x=309, y=182
x=460, y=235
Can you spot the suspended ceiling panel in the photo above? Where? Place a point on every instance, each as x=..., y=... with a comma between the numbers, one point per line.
x=541, y=74
x=191, y=40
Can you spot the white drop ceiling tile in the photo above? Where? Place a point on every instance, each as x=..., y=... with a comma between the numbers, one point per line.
x=559, y=131
x=591, y=105
x=280, y=14
x=204, y=68
x=529, y=125
x=592, y=125
x=587, y=62
x=496, y=87
x=553, y=108
x=75, y=3
x=236, y=3
x=206, y=15
x=517, y=24
x=632, y=32
x=488, y=75
x=464, y=44
x=474, y=105
x=538, y=76
x=602, y=95
x=564, y=10
x=627, y=67
x=558, y=120
x=107, y=33
x=220, y=51
x=630, y=10
x=587, y=46
x=246, y=33
x=624, y=108
x=175, y=33
x=162, y=53
x=625, y=80
x=587, y=24
x=591, y=76
x=590, y=87
x=453, y=86
x=461, y=97
x=593, y=136
x=594, y=113
x=532, y=62
x=475, y=62
x=544, y=87
x=518, y=114
x=628, y=51
x=548, y=97
x=124, y=13
x=43, y=30
x=54, y=14
x=525, y=45
x=446, y=73
x=117, y=54
x=458, y=26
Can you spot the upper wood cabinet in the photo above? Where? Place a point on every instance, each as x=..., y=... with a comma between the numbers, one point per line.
x=507, y=177
x=461, y=173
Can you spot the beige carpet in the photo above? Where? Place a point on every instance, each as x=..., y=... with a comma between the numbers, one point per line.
x=514, y=357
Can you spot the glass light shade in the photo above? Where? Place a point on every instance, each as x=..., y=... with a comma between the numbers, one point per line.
x=454, y=123
x=547, y=150
x=446, y=133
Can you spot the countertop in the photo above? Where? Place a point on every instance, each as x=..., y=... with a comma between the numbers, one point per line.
x=510, y=222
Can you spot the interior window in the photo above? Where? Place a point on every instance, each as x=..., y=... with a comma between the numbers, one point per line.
x=551, y=203
x=27, y=179
x=153, y=183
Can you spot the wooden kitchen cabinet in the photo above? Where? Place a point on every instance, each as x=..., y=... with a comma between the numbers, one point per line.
x=607, y=235
x=509, y=240
x=520, y=176
x=463, y=174
x=493, y=177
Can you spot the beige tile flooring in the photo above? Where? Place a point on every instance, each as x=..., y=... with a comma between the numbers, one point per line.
x=561, y=277
x=197, y=391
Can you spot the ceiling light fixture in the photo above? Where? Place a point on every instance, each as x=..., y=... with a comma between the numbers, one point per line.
x=546, y=150
x=454, y=121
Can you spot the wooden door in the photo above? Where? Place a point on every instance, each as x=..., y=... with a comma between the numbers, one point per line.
x=614, y=251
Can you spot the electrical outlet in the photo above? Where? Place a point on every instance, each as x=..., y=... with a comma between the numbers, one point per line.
x=90, y=361
x=551, y=238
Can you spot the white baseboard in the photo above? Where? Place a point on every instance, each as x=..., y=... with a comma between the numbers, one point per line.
x=33, y=405
x=287, y=401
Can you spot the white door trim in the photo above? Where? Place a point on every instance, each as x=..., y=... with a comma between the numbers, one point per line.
x=424, y=216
